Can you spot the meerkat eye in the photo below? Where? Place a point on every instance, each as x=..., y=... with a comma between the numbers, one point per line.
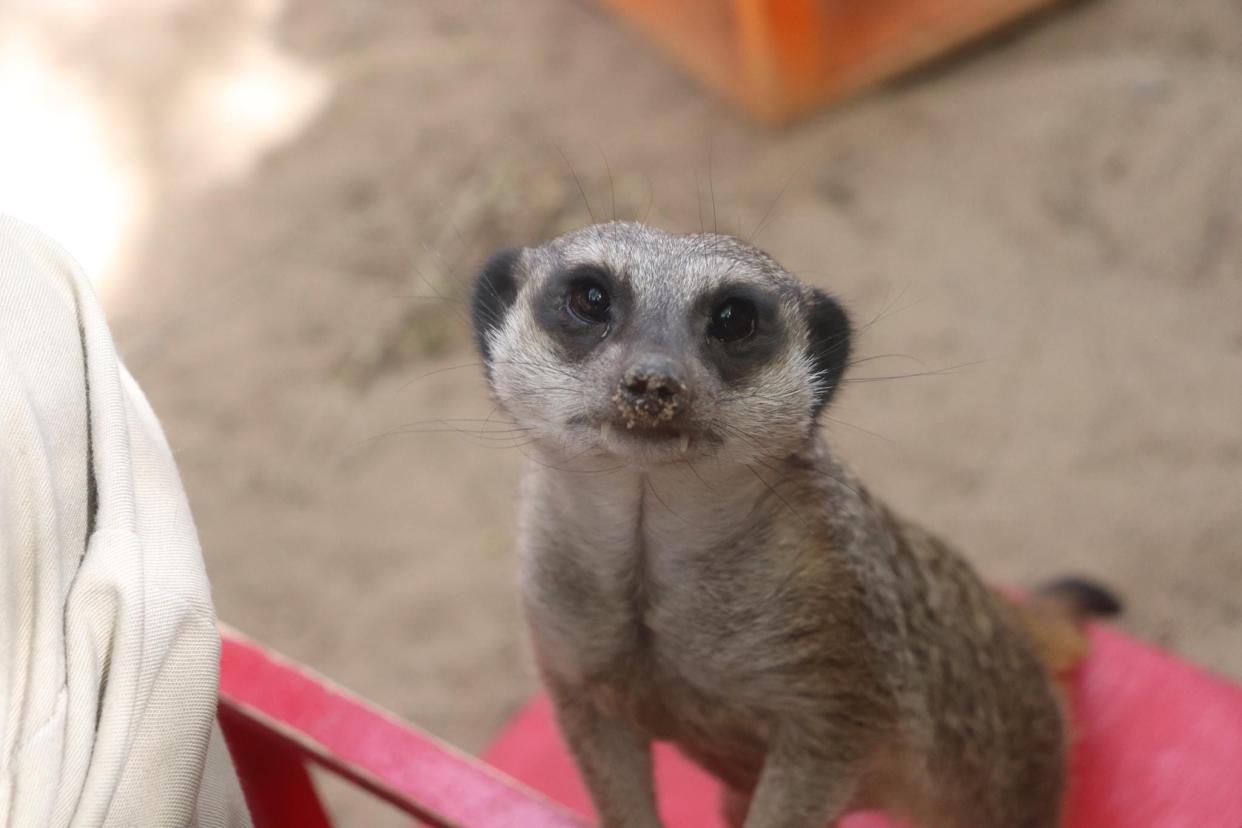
x=733, y=320
x=589, y=301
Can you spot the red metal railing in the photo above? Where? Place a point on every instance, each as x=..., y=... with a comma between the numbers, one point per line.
x=279, y=718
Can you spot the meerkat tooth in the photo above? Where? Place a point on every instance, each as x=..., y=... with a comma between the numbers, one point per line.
x=605, y=430
x=685, y=442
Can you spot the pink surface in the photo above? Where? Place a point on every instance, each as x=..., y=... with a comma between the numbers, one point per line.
x=1158, y=745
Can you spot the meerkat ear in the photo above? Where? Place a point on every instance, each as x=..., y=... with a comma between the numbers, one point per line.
x=828, y=344
x=494, y=292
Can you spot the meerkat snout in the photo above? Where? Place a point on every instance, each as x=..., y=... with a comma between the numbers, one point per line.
x=651, y=392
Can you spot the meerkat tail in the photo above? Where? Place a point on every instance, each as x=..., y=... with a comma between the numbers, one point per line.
x=1079, y=598
x=1055, y=616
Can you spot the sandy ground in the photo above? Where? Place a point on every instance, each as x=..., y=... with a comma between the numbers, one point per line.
x=1061, y=210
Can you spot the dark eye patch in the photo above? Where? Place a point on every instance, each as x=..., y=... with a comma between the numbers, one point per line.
x=741, y=329
x=580, y=305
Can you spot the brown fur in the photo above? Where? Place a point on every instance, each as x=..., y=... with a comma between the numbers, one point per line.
x=751, y=601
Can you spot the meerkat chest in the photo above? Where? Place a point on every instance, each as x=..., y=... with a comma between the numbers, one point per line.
x=653, y=606
x=670, y=659
x=608, y=610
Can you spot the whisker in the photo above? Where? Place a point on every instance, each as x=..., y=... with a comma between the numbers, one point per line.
x=952, y=369
x=712, y=185
x=706, y=485
x=612, y=188
x=768, y=213
x=480, y=364
x=651, y=488
x=650, y=197
x=497, y=441
x=698, y=201
x=545, y=465
x=577, y=181
x=890, y=308
x=874, y=357
x=835, y=421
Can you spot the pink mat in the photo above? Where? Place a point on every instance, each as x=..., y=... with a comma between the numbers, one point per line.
x=1158, y=745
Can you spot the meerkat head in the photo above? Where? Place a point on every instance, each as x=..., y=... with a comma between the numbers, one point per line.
x=623, y=340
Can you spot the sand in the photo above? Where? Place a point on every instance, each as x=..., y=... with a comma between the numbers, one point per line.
x=1049, y=228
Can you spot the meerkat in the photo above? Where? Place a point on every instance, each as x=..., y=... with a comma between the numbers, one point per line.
x=698, y=567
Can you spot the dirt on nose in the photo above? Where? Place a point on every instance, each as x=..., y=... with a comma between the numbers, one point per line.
x=645, y=400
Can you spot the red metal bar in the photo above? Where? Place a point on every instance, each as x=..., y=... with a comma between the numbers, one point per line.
x=268, y=699
x=274, y=777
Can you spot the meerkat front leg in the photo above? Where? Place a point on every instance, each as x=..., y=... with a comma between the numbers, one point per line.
x=614, y=758
x=801, y=786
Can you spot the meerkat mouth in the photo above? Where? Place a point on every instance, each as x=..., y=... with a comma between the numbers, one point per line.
x=657, y=435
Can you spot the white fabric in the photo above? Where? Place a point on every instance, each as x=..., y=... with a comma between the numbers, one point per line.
x=109, y=653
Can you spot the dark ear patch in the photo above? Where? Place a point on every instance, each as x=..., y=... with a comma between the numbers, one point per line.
x=828, y=344
x=494, y=292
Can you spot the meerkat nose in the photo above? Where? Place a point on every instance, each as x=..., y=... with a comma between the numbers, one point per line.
x=604, y=431
x=685, y=442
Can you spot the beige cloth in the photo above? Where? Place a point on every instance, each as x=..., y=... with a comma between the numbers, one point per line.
x=109, y=651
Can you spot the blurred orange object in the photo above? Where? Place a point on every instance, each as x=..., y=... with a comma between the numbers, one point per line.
x=778, y=58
